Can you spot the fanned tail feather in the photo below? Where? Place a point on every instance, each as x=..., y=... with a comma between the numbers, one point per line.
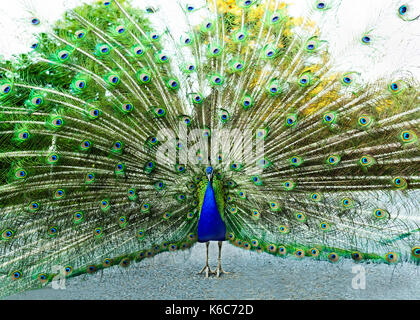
x=104, y=131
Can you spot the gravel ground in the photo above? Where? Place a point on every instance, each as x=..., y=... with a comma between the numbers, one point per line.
x=254, y=276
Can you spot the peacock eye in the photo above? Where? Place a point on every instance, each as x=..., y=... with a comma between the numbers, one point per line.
x=64, y=56
x=391, y=257
x=35, y=21
x=333, y=257
x=16, y=275
x=402, y=10
x=127, y=107
x=238, y=66
x=173, y=84
x=366, y=39
x=37, y=101
x=68, y=270
x=58, y=122
x=408, y=136
x=6, y=89
x=416, y=252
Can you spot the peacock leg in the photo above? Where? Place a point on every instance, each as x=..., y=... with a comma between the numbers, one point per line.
x=206, y=268
x=219, y=269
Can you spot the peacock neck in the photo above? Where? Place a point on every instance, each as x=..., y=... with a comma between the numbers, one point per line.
x=210, y=225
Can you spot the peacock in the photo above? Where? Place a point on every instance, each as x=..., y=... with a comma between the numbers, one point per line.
x=123, y=136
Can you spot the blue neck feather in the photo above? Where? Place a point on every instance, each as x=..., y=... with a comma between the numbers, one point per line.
x=210, y=226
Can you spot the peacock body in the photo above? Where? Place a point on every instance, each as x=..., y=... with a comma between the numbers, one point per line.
x=121, y=139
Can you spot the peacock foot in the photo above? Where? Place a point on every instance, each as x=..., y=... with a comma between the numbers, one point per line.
x=206, y=269
x=218, y=271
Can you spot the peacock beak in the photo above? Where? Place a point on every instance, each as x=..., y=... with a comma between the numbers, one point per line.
x=209, y=173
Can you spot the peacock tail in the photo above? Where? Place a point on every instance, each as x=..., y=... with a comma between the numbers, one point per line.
x=108, y=125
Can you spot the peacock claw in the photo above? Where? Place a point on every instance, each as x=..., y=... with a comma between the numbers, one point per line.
x=218, y=271
x=206, y=269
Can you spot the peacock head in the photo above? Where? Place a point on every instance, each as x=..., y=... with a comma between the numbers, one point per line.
x=209, y=173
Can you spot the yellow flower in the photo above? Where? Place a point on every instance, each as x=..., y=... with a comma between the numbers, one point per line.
x=280, y=6
x=235, y=11
x=386, y=104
